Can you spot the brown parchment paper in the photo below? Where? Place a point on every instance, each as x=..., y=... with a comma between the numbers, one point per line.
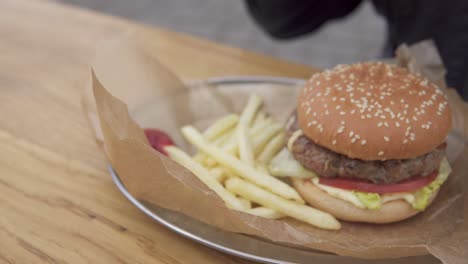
x=154, y=97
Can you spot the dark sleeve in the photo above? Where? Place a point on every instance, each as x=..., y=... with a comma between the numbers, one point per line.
x=284, y=19
x=446, y=22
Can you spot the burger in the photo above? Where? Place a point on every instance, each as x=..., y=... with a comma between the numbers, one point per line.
x=366, y=143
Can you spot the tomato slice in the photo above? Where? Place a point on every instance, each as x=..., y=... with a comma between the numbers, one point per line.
x=364, y=186
x=158, y=139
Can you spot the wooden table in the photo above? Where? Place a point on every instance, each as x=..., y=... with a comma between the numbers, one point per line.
x=58, y=203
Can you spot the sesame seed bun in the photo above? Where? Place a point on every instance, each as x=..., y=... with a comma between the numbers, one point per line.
x=373, y=111
x=393, y=211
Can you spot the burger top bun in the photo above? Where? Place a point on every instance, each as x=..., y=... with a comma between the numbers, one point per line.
x=373, y=111
x=390, y=212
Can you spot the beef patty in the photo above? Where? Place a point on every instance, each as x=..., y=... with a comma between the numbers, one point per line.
x=330, y=164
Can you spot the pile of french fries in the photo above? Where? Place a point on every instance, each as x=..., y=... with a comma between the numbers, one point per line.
x=233, y=154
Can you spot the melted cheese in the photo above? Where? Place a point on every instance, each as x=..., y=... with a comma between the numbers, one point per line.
x=409, y=197
x=339, y=193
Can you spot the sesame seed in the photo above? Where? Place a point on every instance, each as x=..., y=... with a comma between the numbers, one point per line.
x=386, y=139
x=397, y=124
x=351, y=133
x=380, y=153
x=379, y=124
x=308, y=110
x=363, y=142
x=314, y=122
x=340, y=130
x=334, y=142
x=338, y=107
x=405, y=141
x=353, y=140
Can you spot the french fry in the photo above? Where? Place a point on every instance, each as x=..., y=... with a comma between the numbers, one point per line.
x=219, y=132
x=199, y=157
x=240, y=168
x=204, y=175
x=218, y=174
x=221, y=126
x=265, y=213
x=259, y=141
x=207, y=161
x=248, y=114
x=247, y=204
x=246, y=153
x=295, y=210
x=272, y=148
x=260, y=117
x=258, y=127
x=222, y=139
x=262, y=168
x=245, y=147
x=231, y=143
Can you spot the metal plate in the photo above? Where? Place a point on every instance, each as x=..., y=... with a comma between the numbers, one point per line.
x=242, y=245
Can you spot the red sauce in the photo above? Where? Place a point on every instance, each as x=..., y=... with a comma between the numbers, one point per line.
x=158, y=139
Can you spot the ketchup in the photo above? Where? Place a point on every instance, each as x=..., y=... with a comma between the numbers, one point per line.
x=158, y=139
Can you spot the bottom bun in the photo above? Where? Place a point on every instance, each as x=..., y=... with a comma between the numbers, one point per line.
x=393, y=211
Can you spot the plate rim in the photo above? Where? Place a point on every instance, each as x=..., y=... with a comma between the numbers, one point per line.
x=225, y=80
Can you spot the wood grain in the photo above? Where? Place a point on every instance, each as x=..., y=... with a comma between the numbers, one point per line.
x=58, y=203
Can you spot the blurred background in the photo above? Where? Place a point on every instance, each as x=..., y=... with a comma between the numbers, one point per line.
x=359, y=36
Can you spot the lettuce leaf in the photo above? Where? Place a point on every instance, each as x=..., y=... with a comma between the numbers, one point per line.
x=370, y=200
x=424, y=194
